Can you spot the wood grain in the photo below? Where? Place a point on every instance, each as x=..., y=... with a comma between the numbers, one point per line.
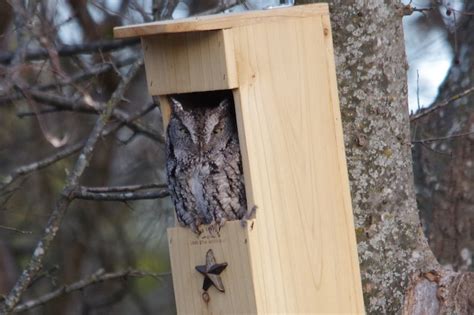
x=304, y=259
x=231, y=246
x=190, y=62
x=165, y=108
x=220, y=21
x=301, y=255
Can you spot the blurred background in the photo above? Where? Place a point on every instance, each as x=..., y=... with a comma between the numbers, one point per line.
x=439, y=45
x=58, y=58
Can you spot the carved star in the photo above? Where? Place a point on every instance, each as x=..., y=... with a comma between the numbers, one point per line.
x=211, y=272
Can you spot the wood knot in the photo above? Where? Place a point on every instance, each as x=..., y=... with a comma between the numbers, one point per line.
x=361, y=140
x=205, y=297
x=432, y=276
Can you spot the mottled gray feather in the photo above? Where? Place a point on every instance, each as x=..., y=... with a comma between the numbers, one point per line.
x=204, y=165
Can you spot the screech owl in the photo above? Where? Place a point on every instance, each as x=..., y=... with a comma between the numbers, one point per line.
x=204, y=164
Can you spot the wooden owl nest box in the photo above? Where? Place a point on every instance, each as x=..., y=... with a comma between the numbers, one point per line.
x=298, y=255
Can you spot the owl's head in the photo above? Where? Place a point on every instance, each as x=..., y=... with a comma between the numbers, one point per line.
x=195, y=129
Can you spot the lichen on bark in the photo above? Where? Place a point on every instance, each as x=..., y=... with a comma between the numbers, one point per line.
x=371, y=71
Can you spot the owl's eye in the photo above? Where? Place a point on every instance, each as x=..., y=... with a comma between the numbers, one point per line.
x=218, y=129
x=183, y=130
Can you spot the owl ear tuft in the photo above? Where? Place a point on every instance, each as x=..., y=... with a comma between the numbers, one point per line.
x=176, y=106
x=224, y=104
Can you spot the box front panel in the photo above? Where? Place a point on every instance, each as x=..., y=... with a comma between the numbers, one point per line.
x=190, y=62
x=187, y=250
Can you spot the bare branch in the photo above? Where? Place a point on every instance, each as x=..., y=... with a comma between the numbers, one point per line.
x=464, y=134
x=63, y=102
x=24, y=114
x=64, y=152
x=428, y=147
x=88, y=106
x=164, y=9
x=221, y=7
x=84, y=75
x=25, y=169
x=122, y=193
x=96, y=70
x=9, y=228
x=97, y=277
x=440, y=105
x=129, y=188
x=55, y=219
x=408, y=9
x=138, y=127
x=70, y=50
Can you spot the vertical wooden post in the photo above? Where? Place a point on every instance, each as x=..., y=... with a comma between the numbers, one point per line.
x=299, y=254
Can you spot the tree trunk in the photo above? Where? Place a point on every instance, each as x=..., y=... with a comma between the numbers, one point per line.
x=399, y=270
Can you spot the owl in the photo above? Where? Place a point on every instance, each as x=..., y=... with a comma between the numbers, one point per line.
x=204, y=165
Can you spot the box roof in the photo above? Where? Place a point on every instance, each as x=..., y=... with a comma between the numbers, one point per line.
x=219, y=21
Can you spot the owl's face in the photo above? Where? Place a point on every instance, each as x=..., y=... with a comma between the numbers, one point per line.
x=199, y=130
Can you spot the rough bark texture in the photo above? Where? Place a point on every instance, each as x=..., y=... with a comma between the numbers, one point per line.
x=371, y=69
x=399, y=271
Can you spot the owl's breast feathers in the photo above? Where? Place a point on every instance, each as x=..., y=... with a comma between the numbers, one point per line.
x=225, y=187
x=195, y=183
x=208, y=189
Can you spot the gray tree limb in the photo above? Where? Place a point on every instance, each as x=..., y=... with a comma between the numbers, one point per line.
x=64, y=152
x=36, y=262
x=70, y=50
x=121, y=193
x=81, y=76
x=97, y=277
x=87, y=106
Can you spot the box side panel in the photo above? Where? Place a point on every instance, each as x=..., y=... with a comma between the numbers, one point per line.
x=165, y=110
x=187, y=250
x=304, y=258
x=348, y=219
x=189, y=62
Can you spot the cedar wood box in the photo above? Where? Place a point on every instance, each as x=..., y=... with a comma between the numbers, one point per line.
x=298, y=255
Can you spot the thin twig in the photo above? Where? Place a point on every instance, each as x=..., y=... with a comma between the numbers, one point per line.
x=64, y=152
x=221, y=7
x=97, y=277
x=38, y=165
x=138, y=126
x=89, y=106
x=70, y=50
x=409, y=9
x=443, y=138
x=440, y=105
x=9, y=228
x=39, y=112
x=426, y=146
x=128, y=188
x=418, y=89
x=95, y=71
x=66, y=103
x=36, y=262
x=123, y=195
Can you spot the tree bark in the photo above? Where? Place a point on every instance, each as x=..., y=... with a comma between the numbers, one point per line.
x=399, y=271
